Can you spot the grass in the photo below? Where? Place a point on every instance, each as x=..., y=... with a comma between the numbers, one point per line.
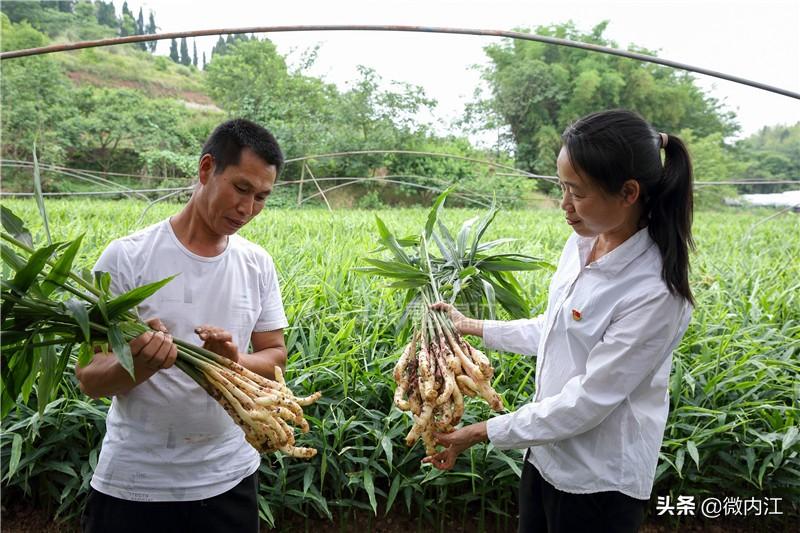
x=735, y=383
x=123, y=66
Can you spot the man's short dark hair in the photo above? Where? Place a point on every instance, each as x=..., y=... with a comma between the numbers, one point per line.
x=226, y=142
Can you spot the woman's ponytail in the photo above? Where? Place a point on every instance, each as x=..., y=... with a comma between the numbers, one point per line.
x=670, y=215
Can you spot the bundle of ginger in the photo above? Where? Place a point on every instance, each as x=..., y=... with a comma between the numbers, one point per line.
x=434, y=373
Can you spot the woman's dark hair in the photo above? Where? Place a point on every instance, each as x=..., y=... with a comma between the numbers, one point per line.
x=611, y=147
x=226, y=142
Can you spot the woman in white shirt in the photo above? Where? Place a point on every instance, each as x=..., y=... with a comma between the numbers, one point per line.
x=618, y=306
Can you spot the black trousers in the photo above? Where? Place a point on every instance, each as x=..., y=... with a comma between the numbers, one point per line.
x=545, y=509
x=233, y=511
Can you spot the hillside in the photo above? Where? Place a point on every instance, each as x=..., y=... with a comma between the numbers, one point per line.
x=125, y=110
x=124, y=67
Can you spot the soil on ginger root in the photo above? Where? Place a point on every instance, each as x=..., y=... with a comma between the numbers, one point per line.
x=22, y=517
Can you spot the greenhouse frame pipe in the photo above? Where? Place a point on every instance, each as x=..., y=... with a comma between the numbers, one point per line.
x=418, y=29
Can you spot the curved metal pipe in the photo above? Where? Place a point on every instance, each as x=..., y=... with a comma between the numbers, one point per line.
x=419, y=29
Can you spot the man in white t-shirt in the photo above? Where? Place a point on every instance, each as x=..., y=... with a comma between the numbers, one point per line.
x=172, y=459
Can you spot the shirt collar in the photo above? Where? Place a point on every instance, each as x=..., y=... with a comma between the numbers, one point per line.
x=618, y=258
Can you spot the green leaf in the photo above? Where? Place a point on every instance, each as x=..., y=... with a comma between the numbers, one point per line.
x=390, y=242
x=679, y=457
x=15, y=226
x=392, y=269
x=121, y=349
x=469, y=271
x=11, y=258
x=511, y=263
x=482, y=227
x=408, y=284
x=691, y=447
x=16, y=454
x=16, y=369
x=509, y=297
x=77, y=310
x=62, y=269
x=37, y=188
x=85, y=354
x=447, y=253
x=26, y=373
x=265, y=511
x=308, y=477
x=48, y=377
x=406, y=242
x=36, y=262
x=323, y=468
x=493, y=244
x=491, y=301
x=102, y=280
x=448, y=238
x=102, y=306
x=392, y=493
x=433, y=215
x=132, y=298
x=789, y=438
x=369, y=485
x=386, y=444
x=463, y=235
x=513, y=464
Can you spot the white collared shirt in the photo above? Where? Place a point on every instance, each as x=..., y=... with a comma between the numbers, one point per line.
x=604, y=349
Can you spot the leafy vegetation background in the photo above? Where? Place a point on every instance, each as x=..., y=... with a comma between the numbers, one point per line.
x=734, y=388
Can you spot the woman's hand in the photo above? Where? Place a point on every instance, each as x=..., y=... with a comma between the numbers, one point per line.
x=464, y=325
x=456, y=442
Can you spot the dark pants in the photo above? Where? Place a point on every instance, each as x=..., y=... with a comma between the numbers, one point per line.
x=233, y=511
x=545, y=509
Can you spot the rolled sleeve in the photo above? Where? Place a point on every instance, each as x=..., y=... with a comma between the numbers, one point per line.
x=514, y=336
x=631, y=348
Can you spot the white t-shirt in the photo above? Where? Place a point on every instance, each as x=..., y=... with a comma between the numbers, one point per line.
x=604, y=350
x=167, y=439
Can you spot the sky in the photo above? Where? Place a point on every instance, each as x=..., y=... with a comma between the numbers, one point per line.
x=757, y=40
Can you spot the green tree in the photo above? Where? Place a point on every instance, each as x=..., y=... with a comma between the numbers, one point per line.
x=106, y=15
x=46, y=17
x=140, y=23
x=112, y=125
x=86, y=11
x=140, y=29
x=151, y=30
x=219, y=47
x=537, y=89
x=194, y=53
x=19, y=11
x=173, y=51
x=712, y=160
x=35, y=96
x=246, y=76
x=185, y=58
x=773, y=153
x=127, y=24
x=65, y=6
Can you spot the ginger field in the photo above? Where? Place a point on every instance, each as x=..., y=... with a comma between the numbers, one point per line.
x=735, y=390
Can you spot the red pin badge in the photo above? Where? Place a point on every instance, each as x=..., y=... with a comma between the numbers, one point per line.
x=576, y=315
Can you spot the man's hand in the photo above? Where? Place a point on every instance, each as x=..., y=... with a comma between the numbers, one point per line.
x=154, y=349
x=456, y=442
x=218, y=341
